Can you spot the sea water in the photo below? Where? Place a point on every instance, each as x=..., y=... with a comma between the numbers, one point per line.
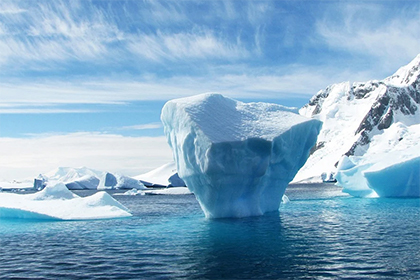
x=319, y=234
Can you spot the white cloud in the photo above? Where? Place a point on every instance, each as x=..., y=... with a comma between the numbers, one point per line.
x=154, y=125
x=391, y=37
x=55, y=32
x=298, y=80
x=27, y=157
x=41, y=111
x=10, y=8
x=59, y=32
x=163, y=12
x=201, y=45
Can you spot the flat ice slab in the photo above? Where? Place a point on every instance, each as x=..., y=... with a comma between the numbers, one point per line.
x=56, y=202
x=237, y=158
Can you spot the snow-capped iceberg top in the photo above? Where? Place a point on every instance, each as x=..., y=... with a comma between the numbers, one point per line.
x=69, y=174
x=237, y=158
x=234, y=120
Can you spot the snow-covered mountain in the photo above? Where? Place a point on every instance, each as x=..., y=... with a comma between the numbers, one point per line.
x=353, y=114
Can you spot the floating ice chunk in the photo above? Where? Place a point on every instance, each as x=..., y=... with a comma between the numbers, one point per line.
x=285, y=199
x=111, y=181
x=170, y=191
x=56, y=202
x=237, y=158
x=165, y=175
x=57, y=191
x=392, y=171
x=131, y=192
x=85, y=182
x=398, y=180
x=351, y=178
x=74, y=178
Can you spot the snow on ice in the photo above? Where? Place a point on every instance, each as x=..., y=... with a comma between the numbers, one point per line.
x=85, y=178
x=390, y=168
x=237, y=158
x=354, y=114
x=56, y=202
x=165, y=175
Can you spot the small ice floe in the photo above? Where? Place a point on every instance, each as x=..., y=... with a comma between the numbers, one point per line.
x=56, y=202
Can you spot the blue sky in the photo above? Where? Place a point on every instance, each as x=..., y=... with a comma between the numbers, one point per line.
x=83, y=70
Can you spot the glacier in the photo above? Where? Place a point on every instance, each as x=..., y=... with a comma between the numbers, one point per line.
x=362, y=123
x=237, y=158
x=56, y=202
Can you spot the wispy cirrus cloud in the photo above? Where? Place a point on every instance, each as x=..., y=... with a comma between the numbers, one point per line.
x=10, y=8
x=58, y=33
x=384, y=32
x=276, y=83
x=54, y=32
x=198, y=45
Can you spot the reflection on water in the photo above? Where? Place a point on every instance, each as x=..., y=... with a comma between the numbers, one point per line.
x=319, y=234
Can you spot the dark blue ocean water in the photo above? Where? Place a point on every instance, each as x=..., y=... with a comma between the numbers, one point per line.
x=320, y=234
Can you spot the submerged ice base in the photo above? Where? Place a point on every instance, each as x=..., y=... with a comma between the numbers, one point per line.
x=237, y=158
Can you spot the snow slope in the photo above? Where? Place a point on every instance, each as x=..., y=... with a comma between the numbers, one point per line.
x=86, y=178
x=56, y=202
x=237, y=158
x=361, y=118
x=390, y=168
x=165, y=175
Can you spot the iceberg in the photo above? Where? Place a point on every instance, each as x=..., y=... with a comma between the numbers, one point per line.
x=111, y=181
x=397, y=180
x=390, y=168
x=165, y=176
x=237, y=158
x=83, y=178
x=169, y=191
x=351, y=178
x=164, y=191
x=56, y=202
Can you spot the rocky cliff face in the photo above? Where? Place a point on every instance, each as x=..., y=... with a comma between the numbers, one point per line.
x=353, y=114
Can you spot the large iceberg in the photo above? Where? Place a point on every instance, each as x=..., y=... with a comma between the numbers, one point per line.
x=237, y=158
x=56, y=202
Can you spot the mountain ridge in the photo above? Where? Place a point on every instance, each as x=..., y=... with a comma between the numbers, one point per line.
x=355, y=113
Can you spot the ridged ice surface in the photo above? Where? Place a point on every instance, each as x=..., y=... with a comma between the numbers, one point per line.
x=237, y=158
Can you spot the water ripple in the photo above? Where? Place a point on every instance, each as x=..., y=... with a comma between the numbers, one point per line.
x=320, y=234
